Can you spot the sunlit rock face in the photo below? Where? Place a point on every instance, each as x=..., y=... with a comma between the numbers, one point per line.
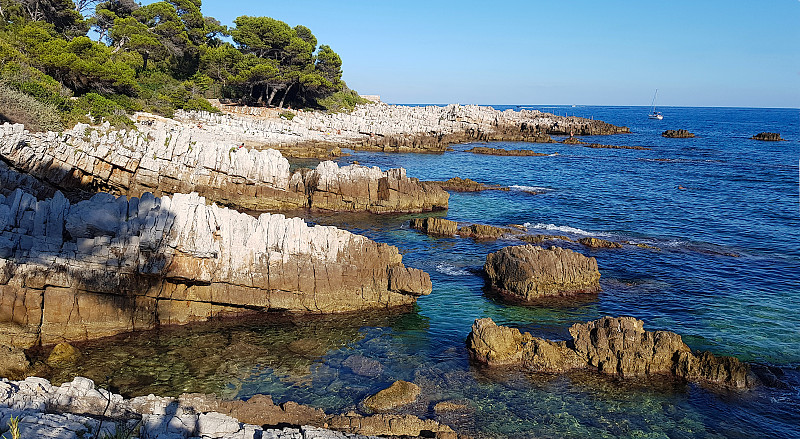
x=111, y=264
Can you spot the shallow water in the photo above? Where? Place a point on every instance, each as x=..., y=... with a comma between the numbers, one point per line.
x=725, y=277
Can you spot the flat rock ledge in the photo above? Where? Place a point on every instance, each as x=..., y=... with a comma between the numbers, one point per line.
x=166, y=158
x=611, y=345
x=677, y=134
x=527, y=272
x=109, y=265
x=768, y=137
x=79, y=410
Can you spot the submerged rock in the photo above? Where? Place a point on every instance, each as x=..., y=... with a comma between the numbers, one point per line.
x=400, y=393
x=769, y=137
x=615, y=346
x=599, y=243
x=528, y=272
x=677, y=134
x=435, y=226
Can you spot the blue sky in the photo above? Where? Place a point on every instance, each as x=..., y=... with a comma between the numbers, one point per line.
x=697, y=53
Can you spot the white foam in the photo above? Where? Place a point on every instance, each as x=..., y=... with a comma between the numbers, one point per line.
x=522, y=188
x=451, y=270
x=564, y=229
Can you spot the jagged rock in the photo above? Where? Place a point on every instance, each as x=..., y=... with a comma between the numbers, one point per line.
x=173, y=158
x=677, y=134
x=12, y=361
x=769, y=137
x=615, y=346
x=458, y=184
x=529, y=272
x=62, y=354
x=572, y=141
x=483, y=231
x=505, y=152
x=144, y=262
x=599, y=243
x=435, y=226
x=400, y=393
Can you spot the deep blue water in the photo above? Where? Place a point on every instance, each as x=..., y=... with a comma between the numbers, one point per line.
x=724, y=211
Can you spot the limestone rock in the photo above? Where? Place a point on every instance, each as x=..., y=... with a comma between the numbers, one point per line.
x=459, y=184
x=529, y=272
x=361, y=365
x=483, y=231
x=400, y=393
x=435, y=226
x=616, y=346
x=506, y=152
x=62, y=354
x=538, y=239
x=599, y=243
x=769, y=137
x=12, y=361
x=678, y=134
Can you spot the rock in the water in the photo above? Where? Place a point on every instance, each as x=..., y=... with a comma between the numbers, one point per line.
x=615, y=346
x=483, y=231
x=572, y=141
x=528, y=272
x=63, y=354
x=677, y=134
x=400, y=393
x=361, y=365
x=459, y=184
x=435, y=226
x=599, y=243
x=449, y=406
x=506, y=152
x=538, y=239
x=769, y=137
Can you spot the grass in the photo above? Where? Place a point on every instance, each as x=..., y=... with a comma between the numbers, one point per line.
x=13, y=429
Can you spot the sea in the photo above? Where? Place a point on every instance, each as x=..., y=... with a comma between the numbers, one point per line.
x=719, y=215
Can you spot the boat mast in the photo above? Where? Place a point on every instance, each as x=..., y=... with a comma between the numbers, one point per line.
x=654, y=102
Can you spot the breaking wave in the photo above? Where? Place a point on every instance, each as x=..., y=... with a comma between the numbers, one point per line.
x=451, y=270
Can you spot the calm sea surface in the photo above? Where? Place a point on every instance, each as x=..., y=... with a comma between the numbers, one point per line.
x=726, y=277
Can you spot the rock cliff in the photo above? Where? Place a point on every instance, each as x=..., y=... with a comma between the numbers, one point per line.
x=166, y=158
x=615, y=346
x=108, y=265
x=528, y=272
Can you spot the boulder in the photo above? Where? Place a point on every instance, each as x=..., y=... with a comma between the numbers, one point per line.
x=400, y=393
x=611, y=345
x=483, y=231
x=769, y=137
x=526, y=273
x=13, y=361
x=434, y=226
x=677, y=134
x=599, y=243
x=63, y=354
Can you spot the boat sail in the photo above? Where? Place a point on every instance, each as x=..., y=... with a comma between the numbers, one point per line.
x=653, y=113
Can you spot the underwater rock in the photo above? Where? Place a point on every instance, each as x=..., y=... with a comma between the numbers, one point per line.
x=434, y=226
x=400, y=393
x=677, y=134
x=768, y=137
x=599, y=243
x=361, y=365
x=611, y=345
x=528, y=272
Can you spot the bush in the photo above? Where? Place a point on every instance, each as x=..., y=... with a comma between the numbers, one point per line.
x=18, y=107
x=99, y=108
x=345, y=100
x=288, y=115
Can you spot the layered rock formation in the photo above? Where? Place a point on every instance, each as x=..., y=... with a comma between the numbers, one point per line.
x=615, y=346
x=599, y=243
x=677, y=134
x=528, y=272
x=484, y=231
x=78, y=409
x=506, y=152
x=769, y=137
x=109, y=265
x=167, y=158
x=435, y=226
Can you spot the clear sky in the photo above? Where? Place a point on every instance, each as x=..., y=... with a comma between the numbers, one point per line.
x=601, y=52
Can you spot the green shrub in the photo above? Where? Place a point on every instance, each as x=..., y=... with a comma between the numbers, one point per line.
x=345, y=100
x=99, y=108
x=18, y=107
x=288, y=115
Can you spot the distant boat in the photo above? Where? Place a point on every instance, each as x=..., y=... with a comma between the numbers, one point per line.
x=653, y=113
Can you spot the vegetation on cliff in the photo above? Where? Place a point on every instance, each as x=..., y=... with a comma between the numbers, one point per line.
x=64, y=62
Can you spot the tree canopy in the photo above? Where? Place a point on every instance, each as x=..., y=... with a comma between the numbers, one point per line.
x=72, y=56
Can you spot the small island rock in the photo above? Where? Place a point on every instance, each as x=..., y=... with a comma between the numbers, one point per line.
x=599, y=243
x=677, y=134
x=768, y=137
x=435, y=226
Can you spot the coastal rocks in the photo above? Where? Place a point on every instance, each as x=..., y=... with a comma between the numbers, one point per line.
x=12, y=361
x=109, y=265
x=400, y=393
x=615, y=346
x=768, y=137
x=483, y=231
x=458, y=184
x=528, y=272
x=62, y=353
x=506, y=152
x=572, y=141
x=598, y=243
x=167, y=158
x=601, y=146
x=435, y=226
x=677, y=134
x=538, y=239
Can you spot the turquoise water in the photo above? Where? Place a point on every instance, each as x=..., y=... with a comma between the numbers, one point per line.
x=726, y=277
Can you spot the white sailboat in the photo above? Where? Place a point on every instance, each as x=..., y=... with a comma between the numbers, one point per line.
x=653, y=113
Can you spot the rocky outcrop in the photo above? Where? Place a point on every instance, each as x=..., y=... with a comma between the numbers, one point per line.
x=769, y=137
x=13, y=361
x=615, y=346
x=572, y=141
x=538, y=239
x=434, y=226
x=165, y=158
x=677, y=134
x=458, y=184
x=77, y=409
x=400, y=393
x=599, y=243
x=484, y=231
x=506, y=152
x=528, y=272
x=602, y=146
x=109, y=265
